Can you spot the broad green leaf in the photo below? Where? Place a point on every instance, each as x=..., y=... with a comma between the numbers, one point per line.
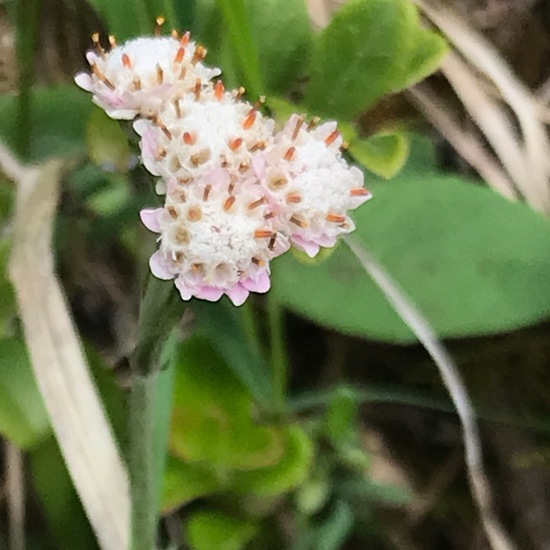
x=23, y=418
x=215, y=530
x=270, y=47
x=283, y=36
x=291, y=471
x=59, y=116
x=107, y=143
x=382, y=154
x=222, y=324
x=473, y=262
x=213, y=416
x=61, y=506
x=184, y=482
x=370, y=49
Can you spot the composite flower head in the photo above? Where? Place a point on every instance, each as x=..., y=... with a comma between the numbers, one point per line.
x=215, y=239
x=309, y=184
x=139, y=76
x=200, y=131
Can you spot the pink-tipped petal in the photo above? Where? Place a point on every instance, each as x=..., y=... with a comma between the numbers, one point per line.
x=238, y=294
x=160, y=267
x=84, y=81
x=326, y=241
x=185, y=291
x=150, y=217
x=309, y=247
x=260, y=283
x=210, y=293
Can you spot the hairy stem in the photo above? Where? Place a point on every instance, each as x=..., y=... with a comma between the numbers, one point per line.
x=142, y=461
x=279, y=361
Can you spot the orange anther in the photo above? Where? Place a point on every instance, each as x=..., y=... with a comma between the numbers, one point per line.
x=188, y=138
x=172, y=211
x=229, y=203
x=293, y=198
x=332, y=137
x=219, y=89
x=235, y=144
x=194, y=213
x=180, y=55
x=126, y=61
x=197, y=89
x=263, y=234
x=249, y=120
x=360, y=192
x=290, y=153
x=336, y=218
x=185, y=39
x=256, y=203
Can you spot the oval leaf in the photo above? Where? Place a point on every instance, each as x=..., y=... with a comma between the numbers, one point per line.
x=370, y=49
x=473, y=262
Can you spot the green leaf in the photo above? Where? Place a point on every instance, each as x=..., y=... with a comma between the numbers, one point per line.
x=283, y=36
x=370, y=49
x=49, y=137
x=214, y=530
x=340, y=421
x=213, y=416
x=473, y=262
x=236, y=17
x=332, y=533
x=382, y=154
x=291, y=471
x=107, y=143
x=184, y=482
x=23, y=418
x=221, y=323
x=60, y=504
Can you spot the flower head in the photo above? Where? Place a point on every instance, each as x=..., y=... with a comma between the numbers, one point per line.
x=215, y=239
x=309, y=185
x=139, y=76
x=201, y=131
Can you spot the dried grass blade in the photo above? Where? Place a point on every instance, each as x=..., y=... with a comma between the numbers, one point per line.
x=76, y=413
x=496, y=534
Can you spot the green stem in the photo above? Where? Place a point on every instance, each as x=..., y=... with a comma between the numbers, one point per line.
x=279, y=359
x=159, y=312
x=250, y=327
x=142, y=462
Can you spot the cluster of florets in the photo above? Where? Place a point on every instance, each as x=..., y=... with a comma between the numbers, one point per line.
x=236, y=192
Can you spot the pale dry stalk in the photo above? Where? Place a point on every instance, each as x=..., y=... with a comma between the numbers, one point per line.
x=76, y=413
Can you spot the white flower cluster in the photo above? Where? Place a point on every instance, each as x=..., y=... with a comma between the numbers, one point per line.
x=236, y=192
